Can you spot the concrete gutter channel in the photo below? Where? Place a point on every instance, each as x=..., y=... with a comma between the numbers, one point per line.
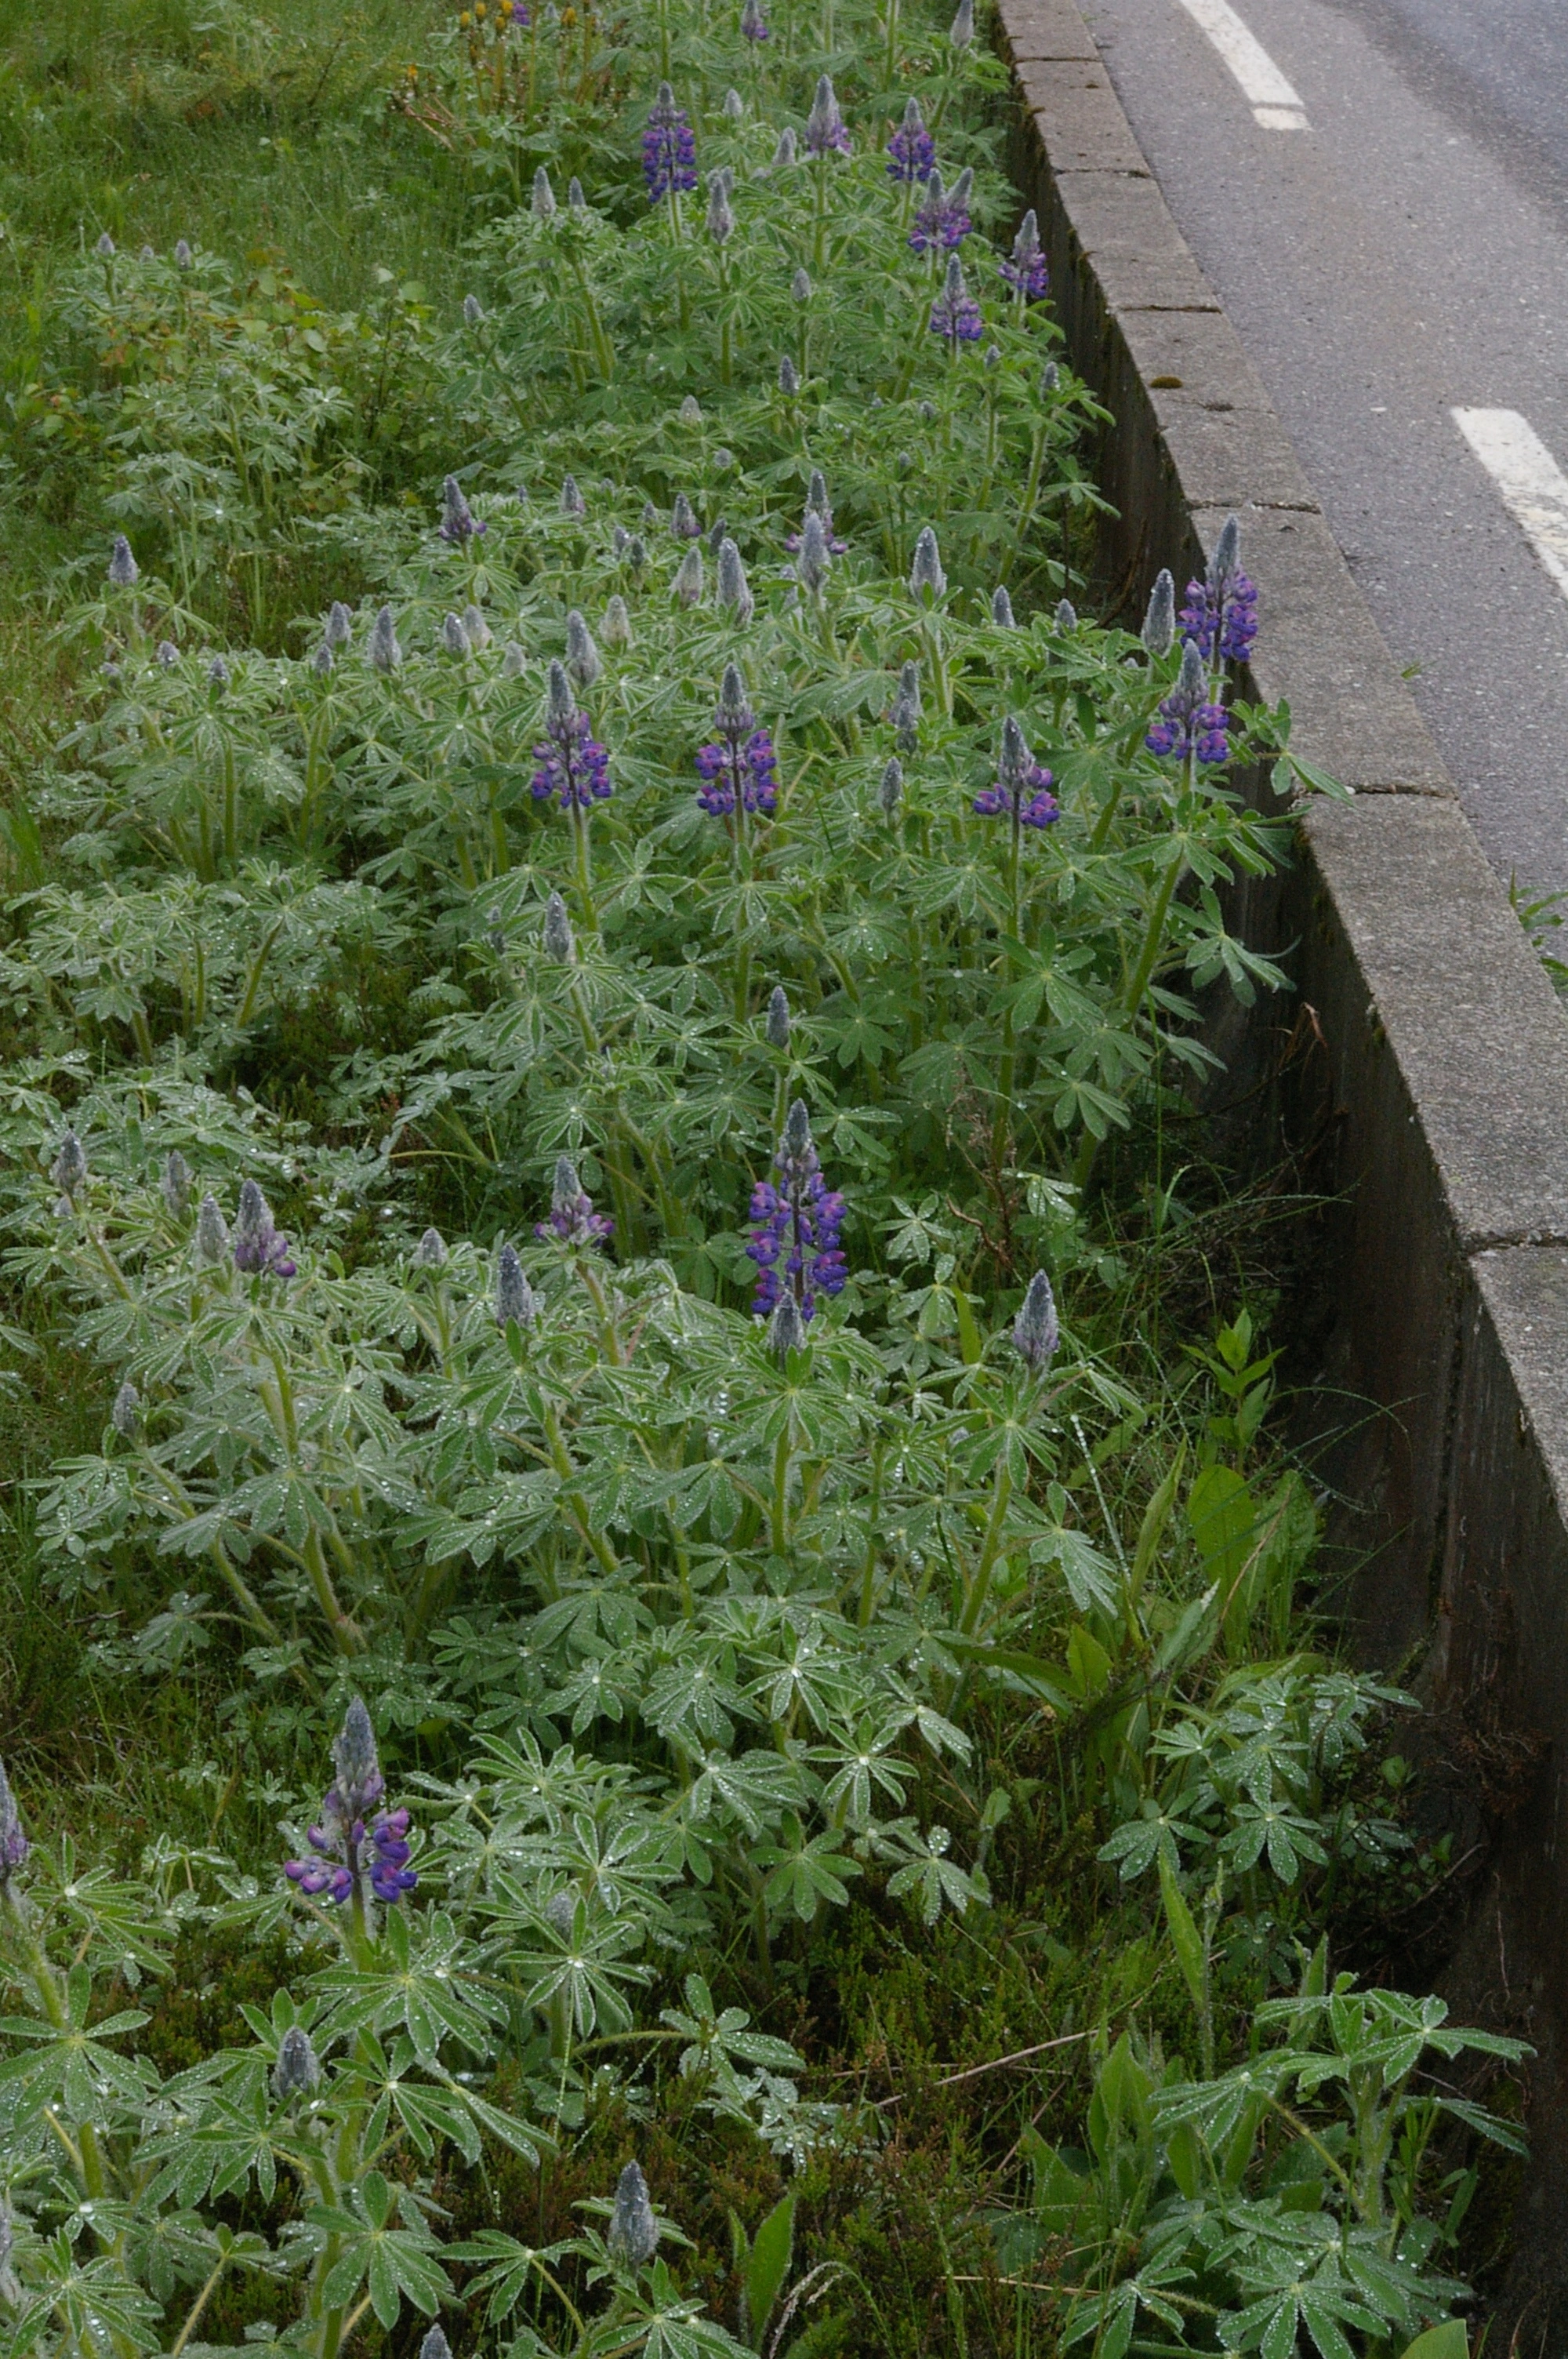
x=1443, y=1072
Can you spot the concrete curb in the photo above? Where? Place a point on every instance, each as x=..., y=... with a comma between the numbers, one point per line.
x=1446, y=1056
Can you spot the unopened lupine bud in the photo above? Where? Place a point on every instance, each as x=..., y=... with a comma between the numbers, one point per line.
x=572, y=501
x=1035, y=1331
x=560, y=1912
x=125, y=1415
x=683, y=521
x=218, y=674
x=890, y=794
x=514, y=662
x=14, y=1843
x=1192, y=681
x=926, y=572
x=633, y=2233
x=753, y=23
x=800, y=287
x=321, y=662
x=582, y=655
x=906, y=706
x=106, y=245
x=561, y=705
x=355, y=1758
x=783, y=153
x=69, y=1169
x=298, y=2070
x=778, y=1018
x=1066, y=615
x=1159, y=621
x=147, y=254
x=789, y=378
x=339, y=624
x=473, y=311
x=435, y=2345
x=1050, y=377
x=619, y=541
x=174, y=1186
x=211, y=1233
x=1226, y=557
x=182, y=254
x=720, y=223
x=961, y=31
x=558, y=942
x=786, y=1328
x=734, y=590
x=813, y=557
x=454, y=638
x=636, y=552
x=688, y=578
x=385, y=652
x=616, y=627
x=168, y=654
x=543, y=201
x=690, y=412
x=1002, y=609
x=721, y=531
x=515, y=1299
x=123, y=570
x=430, y=1253
x=795, y=1142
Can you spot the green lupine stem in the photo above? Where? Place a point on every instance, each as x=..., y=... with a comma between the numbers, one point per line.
x=1084, y=1162
x=346, y=1634
x=1001, y=1496
x=780, y=1523
x=869, y=1570
x=561, y=1459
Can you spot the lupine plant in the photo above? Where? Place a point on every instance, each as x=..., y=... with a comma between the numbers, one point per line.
x=574, y=1093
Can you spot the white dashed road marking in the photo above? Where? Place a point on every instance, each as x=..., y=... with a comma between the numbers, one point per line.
x=1534, y=488
x=1275, y=104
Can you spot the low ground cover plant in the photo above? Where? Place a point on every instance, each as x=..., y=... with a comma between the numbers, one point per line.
x=592, y=1002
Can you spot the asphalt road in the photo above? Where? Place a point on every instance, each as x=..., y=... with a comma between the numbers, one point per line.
x=1404, y=256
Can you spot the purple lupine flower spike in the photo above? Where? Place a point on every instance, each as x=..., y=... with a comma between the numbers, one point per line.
x=458, y=524
x=1022, y=788
x=754, y=24
x=942, y=222
x=817, y=504
x=352, y=1854
x=1189, y=722
x=669, y=149
x=574, y=767
x=912, y=151
x=572, y=1217
x=1221, y=610
x=1027, y=273
x=955, y=315
x=741, y=768
x=797, y=1221
x=825, y=127
x=14, y=1843
x=258, y=1245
